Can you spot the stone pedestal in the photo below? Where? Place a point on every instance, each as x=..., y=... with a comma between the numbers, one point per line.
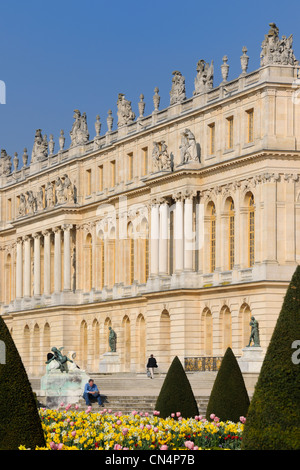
x=66, y=387
x=251, y=360
x=110, y=363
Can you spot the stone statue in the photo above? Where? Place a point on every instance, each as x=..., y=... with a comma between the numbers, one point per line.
x=61, y=360
x=5, y=163
x=30, y=203
x=275, y=50
x=112, y=340
x=177, y=93
x=188, y=147
x=59, y=191
x=40, y=147
x=160, y=156
x=49, y=195
x=22, y=205
x=254, y=335
x=68, y=189
x=40, y=199
x=125, y=113
x=204, y=78
x=79, y=133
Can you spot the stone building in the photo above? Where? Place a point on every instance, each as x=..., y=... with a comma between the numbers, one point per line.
x=174, y=228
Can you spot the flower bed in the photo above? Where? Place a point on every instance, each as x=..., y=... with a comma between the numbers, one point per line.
x=69, y=429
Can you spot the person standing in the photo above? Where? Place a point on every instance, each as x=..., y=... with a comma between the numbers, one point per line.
x=151, y=365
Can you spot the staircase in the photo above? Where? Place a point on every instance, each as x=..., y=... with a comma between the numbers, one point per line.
x=128, y=391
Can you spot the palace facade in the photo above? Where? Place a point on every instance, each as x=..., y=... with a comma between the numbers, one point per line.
x=174, y=228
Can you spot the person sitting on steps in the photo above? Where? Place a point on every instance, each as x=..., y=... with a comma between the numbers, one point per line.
x=91, y=391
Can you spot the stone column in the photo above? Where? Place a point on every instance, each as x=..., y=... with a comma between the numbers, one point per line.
x=57, y=259
x=178, y=233
x=37, y=264
x=67, y=256
x=163, y=238
x=154, y=240
x=19, y=269
x=47, y=262
x=189, y=242
x=27, y=266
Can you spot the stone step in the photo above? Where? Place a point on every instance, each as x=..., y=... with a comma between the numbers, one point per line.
x=126, y=405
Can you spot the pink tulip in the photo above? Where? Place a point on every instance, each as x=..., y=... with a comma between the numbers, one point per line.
x=146, y=414
x=189, y=444
x=216, y=419
x=117, y=447
x=196, y=418
x=172, y=415
x=119, y=422
x=73, y=433
x=141, y=426
x=60, y=446
x=76, y=407
x=164, y=447
x=148, y=426
x=125, y=431
x=178, y=414
x=212, y=416
x=242, y=419
x=155, y=429
x=109, y=411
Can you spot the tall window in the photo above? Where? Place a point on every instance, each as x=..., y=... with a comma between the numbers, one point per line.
x=212, y=239
x=231, y=234
x=100, y=175
x=250, y=118
x=88, y=181
x=130, y=166
x=130, y=253
x=113, y=173
x=230, y=132
x=212, y=132
x=251, y=252
x=145, y=161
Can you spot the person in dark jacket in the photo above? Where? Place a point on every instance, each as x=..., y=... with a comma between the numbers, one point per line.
x=151, y=365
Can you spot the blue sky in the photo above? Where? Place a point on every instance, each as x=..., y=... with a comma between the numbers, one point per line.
x=57, y=56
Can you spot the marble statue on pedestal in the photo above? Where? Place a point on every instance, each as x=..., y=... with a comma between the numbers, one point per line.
x=188, y=147
x=40, y=147
x=5, y=163
x=79, y=133
x=160, y=156
x=204, y=78
x=125, y=114
x=177, y=93
x=275, y=50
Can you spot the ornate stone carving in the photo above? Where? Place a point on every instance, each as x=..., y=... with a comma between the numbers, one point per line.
x=30, y=203
x=49, y=195
x=160, y=156
x=40, y=199
x=188, y=147
x=51, y=145
x=156, y=99
x=125, y=114
x=79, y=133
x=5, y=163
x=225, y=69
x=177, y=93
x=61, y=141
x=275, y=50
x=204, y=78
x=244, y=61
x=40, y=147
x=22, y=205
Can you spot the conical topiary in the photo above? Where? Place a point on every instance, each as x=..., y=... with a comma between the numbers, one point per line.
x=274, y=413
x=20, y=423
x=176, y=394
x=229, y=398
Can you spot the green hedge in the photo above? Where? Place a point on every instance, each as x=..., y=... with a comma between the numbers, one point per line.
x=229, y=398
x=273, y=421
x=20, y=423
x=176, y=393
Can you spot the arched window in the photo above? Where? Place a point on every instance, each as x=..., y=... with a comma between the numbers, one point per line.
x=165, y=339
x=212, y=238
x=231, y=233
x=89, y=263
x=141, y=341
x=127, y=342
x=208, y=332
x=130, y=253
x=251, y=235
x=226, y=327
x=245, y=317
